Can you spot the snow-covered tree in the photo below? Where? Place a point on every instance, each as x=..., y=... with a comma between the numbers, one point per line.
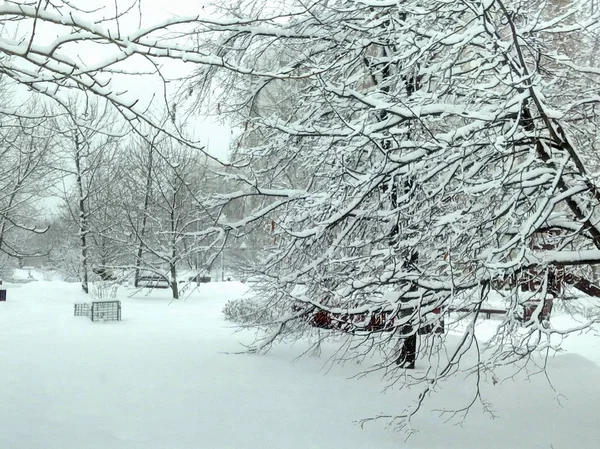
x=163, y=210
x=89, y=150
x=25, y=171
x=450, y=149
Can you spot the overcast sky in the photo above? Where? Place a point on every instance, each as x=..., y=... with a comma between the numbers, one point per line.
x=207, y=130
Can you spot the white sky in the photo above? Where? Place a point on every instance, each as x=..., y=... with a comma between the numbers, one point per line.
x=214, y=135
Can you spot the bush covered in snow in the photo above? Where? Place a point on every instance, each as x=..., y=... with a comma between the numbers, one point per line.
x=247, y=311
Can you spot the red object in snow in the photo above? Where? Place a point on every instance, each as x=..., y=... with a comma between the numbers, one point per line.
x=530, y=307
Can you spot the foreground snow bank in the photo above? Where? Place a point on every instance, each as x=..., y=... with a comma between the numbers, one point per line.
x=166, y=377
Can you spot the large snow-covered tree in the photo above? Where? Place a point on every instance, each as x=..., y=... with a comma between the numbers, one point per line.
x=449, y=150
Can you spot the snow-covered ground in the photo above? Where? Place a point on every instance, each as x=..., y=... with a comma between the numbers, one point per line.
x=167, y=377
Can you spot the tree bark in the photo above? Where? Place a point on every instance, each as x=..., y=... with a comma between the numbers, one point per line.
x=83, y=225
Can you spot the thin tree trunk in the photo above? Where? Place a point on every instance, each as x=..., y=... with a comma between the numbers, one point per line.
x=174, y=286
x=140, y=250
x=172, y=264
x=82, y=217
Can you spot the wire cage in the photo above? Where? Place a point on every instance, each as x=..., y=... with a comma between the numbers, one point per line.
x=82, y=309
x=106, y=311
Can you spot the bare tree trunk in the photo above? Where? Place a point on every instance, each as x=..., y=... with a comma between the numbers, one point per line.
x=174, y=286
x=172, y=263
x=83, y=225
x=140, y=250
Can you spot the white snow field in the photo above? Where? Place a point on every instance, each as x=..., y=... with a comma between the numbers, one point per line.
x=166, y=378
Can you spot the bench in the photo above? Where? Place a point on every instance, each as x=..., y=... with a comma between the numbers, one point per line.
x=486, y=312
x=200, y=279
x=153, y=282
